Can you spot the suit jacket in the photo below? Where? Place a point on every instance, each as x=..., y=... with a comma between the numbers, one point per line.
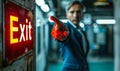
x=74, y=57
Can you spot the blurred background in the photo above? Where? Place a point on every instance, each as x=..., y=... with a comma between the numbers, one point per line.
x=99, y=22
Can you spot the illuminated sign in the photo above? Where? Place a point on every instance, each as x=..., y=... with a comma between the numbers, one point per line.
x=22, y=28
x=18, y=31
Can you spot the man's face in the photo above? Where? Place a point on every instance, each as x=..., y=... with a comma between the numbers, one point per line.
x=74, y=14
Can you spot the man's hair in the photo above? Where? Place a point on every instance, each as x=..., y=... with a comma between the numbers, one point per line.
x=70, y=4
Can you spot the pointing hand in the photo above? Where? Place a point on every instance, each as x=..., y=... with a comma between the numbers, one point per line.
x=59, y=31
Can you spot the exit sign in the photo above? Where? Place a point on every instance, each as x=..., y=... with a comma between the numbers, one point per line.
x=18, y=31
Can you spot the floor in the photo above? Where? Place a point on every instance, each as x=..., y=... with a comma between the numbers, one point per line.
x=94, y=64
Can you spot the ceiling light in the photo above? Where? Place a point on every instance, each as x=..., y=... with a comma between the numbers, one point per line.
x=45, y=8
x=40, y=2
x=101, y=3
x=105, y=21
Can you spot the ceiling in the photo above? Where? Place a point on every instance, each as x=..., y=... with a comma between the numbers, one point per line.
x=92, y=7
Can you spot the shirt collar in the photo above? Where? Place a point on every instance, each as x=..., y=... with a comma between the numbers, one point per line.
x=74, y=25
x=71, y=23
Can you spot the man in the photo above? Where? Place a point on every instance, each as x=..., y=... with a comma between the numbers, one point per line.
x=73, y=40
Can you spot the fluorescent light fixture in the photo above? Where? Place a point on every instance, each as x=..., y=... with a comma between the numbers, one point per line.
x=101, y=3
x=45, y=8
x=40, y=2
x=62, y=20
x=105, y=21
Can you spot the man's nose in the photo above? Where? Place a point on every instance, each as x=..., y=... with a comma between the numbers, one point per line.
x=75, y=14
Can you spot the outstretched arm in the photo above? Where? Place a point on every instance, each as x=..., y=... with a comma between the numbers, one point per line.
x=61, y=32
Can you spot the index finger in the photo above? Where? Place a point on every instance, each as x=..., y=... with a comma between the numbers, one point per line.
x=55, y=20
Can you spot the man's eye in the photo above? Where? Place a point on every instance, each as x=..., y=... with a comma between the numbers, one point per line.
x=78, y=11
x=72, y=12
